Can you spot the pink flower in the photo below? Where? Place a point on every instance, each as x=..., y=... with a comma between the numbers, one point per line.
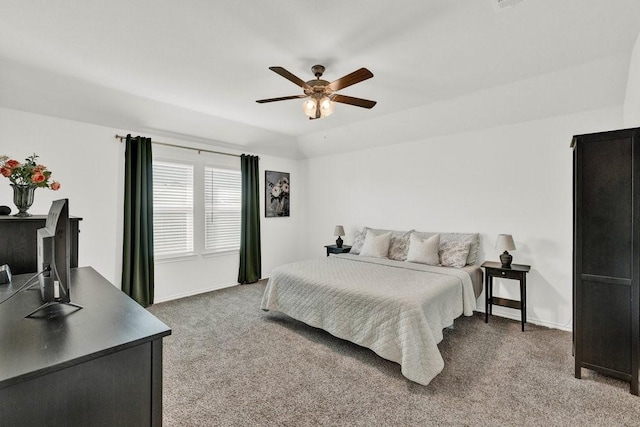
x=55, y=186
x=6, y=172
x=38, y=177
x=12, y=164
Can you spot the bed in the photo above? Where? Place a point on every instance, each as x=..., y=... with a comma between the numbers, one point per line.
x=397, y=309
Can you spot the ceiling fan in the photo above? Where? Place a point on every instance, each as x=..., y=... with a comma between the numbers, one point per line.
x=321, y=93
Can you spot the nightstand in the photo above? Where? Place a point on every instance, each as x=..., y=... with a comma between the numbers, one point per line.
x=334, y=249
x=516, y=272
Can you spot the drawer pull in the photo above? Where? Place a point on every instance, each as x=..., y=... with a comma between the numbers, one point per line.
x=504, y=273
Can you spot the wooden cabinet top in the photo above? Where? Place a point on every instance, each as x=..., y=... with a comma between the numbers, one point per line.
x=110, y=321
x=498, y=266
x=32, y=218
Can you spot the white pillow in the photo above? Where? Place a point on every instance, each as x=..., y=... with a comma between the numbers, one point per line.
x=424, y=251
x=376, y=246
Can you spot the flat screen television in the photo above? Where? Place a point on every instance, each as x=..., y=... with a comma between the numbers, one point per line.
x=54, y=257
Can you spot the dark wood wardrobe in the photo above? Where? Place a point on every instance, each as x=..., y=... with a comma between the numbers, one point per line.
x=606, y=251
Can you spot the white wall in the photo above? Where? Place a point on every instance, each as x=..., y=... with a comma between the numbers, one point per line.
x=632, y=99
x=89, y=163
x=513, y=179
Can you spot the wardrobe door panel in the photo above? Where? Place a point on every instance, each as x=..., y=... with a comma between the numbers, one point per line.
x=607, y=208
x=606, y=325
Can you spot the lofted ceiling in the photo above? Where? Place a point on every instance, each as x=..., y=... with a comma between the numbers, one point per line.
x=193, y=69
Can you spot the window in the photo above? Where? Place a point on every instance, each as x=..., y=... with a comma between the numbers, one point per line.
x=172, y=209
x=222, y=204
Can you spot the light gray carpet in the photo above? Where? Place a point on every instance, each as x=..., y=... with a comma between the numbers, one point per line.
x=228, y=363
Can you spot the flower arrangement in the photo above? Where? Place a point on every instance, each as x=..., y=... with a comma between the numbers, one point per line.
x=29, y=173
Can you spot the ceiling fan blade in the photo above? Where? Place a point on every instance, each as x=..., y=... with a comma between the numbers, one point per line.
x=351, y=79
x=284, y=98
x=358, y=102
x=287, y=75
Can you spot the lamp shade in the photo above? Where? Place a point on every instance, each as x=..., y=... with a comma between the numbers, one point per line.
x=339, y=231
x=505, y=243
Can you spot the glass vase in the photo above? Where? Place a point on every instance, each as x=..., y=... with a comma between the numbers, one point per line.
x=23, y=198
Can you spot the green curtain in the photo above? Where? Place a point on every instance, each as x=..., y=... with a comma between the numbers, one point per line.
x=137, y=253
x=250, y=257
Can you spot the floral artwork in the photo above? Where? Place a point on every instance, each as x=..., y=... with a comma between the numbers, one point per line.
x=28, y=174
x=277, y=188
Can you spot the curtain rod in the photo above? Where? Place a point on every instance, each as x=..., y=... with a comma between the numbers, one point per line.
x=199, y=150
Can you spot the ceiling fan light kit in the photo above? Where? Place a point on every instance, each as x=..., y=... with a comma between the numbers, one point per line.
x=312, y=105
x=321, y=94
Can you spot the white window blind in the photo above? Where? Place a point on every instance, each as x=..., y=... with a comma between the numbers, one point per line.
x=222, y=204
x=172, y=209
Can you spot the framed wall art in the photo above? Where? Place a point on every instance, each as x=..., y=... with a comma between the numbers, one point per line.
x=277, y=193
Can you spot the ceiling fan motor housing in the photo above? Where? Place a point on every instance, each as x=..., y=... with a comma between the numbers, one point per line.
x=318, y=88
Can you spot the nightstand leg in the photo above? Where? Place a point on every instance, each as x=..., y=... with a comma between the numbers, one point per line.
x=487, y=297
x=491, y=296
x=523, y=299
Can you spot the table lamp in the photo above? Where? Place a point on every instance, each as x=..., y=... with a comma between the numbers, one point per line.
x=338, y=231
x=505, y=243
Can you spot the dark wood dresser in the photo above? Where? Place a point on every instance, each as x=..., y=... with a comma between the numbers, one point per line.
x=18, y=242
x=606, y=265
x=98, y=366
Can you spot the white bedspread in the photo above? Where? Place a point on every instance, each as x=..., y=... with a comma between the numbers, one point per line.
x=397, y=309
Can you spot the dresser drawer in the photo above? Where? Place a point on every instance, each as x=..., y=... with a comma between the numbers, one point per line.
x=505, y=273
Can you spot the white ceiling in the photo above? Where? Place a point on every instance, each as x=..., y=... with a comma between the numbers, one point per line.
x=194, y=69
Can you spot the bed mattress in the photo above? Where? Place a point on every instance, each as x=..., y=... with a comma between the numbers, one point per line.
x=397, y=309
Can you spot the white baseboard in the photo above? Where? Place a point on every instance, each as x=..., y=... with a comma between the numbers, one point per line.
x=196, y=292
x=510, y=314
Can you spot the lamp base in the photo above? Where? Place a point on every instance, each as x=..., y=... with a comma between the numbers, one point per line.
x=339, y=242
x=506, y=259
